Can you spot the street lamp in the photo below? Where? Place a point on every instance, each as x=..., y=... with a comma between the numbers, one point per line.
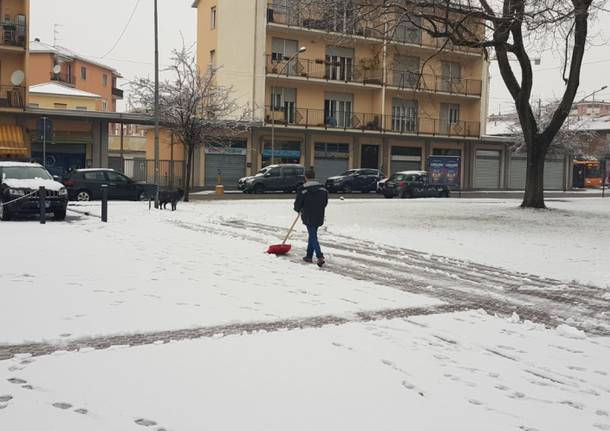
x=156, y=146
x=300, y=51
x=592, y=94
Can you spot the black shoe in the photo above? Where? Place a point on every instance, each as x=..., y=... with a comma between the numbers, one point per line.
x=321, y=262
x=308, y=259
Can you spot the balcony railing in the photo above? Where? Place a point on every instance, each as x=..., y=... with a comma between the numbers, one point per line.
x=344, y=24
x=366, y=122
x=400, y=79
x=12, y=34
x=12, y=97
x=117, y=93
x=63, y=77
x=322, y=69
x=404, y=79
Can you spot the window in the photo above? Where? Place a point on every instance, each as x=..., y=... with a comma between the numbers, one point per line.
x=213, y=18
x=104, y=105
x=60, y=106
x=451, y=77
x=454, y=114
x=338, y=110
x=105, y=80
x=116, y=178
x=408, y=30
x=339, y=63
x=83, y=73
x=94, y=176
x=284, y=100
x=81, y=108
x=277, y=172
x=213, y=57
x=404, y=115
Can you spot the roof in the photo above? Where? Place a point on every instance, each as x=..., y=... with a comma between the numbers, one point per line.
x=18, y=165
x=583, y=123
x=58, y=89
x=38, y=47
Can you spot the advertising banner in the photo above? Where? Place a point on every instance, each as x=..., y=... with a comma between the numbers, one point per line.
x=445, y=170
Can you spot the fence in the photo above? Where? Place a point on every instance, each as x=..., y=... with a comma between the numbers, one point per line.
x=171, y=171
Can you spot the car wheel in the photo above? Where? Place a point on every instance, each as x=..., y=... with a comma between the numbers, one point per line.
x=59, y=215
x=388, y=196
x=5, y=215
x=83, y=196
x=347, y=189
x=258, y=189
x=404, y=194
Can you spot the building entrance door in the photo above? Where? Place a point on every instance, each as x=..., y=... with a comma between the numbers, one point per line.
x=370, y=157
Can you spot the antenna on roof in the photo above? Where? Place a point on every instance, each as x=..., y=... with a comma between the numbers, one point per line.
x=56, y=34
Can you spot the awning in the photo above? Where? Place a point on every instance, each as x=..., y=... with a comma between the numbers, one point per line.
x=12, y=141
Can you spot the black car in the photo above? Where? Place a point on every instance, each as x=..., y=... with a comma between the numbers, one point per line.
x=413, y=184
x=19, y=188
x=86, y=185
x=355, y=180
x=275, y=178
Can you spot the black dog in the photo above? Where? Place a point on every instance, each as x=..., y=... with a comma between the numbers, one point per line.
x=170, y=196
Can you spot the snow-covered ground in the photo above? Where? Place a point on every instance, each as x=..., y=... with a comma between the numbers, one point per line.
x=320, y=350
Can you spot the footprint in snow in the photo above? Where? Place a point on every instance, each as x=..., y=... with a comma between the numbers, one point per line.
x=475, y=402
x=5, y=398
x=81, y=411
x=29, y=387
x=16, y=381
x=602, y=426
x=598, y=413
x=573, y=404
x=145, y=422
x=63, y=406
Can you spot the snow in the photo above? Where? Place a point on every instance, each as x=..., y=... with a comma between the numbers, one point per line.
x=567, y=242
x=284, y=345
x=458, y=371
x=60, y=90
x=18, y=165
x=33, y=184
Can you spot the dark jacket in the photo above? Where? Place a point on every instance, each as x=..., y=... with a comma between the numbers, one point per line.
x=311, y=202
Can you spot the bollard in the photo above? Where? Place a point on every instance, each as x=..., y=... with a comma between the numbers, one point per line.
x=104, y=203
x=42, y=195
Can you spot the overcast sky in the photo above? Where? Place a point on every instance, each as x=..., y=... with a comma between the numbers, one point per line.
x=92, y=28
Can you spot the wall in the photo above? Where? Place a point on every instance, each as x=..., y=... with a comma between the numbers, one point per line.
x=48, y=101
x=165, y=146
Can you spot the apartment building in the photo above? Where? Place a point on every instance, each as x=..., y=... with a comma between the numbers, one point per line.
x=14, y=27
x=63, y=66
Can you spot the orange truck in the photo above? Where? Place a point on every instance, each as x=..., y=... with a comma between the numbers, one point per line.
x=587, y=174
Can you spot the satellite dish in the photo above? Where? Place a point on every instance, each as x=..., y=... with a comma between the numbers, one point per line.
x=17, y=78
x=56, y=69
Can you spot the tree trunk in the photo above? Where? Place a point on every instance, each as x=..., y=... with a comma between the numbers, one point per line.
x=534, y=180
x=189, y=171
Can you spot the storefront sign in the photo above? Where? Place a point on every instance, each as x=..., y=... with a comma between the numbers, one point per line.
x=444, y=170
x=225, y=150
x=293, y=154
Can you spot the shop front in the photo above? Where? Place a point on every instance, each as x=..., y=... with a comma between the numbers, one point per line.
x=282, y=152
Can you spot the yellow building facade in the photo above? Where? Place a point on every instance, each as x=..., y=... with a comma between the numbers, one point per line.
x=332, y=95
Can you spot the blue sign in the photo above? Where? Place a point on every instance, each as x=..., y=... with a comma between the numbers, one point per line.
x=291, y=154
x=444, y=170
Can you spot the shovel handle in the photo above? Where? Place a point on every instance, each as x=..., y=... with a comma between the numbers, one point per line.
x=291, y=228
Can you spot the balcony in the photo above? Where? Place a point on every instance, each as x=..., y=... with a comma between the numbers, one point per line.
x=63, y=78
x=280, y=14
x=13, y=33
x=406, y=80
x=12, y=97
x=117, y=93
x=324, y=70
x=371, y=123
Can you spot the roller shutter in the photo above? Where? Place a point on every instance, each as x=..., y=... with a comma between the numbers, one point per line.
x=487, y=170
x=553, y=175
x=325, y=168
x=517, y=172
x=232, y=167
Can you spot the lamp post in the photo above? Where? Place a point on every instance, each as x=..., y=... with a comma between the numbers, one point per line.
x=157, y=150
x=300, y=51
x=593, y=94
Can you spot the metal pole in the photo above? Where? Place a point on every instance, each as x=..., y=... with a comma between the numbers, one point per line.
x=157, y=168
x=105, y=203
x=42, y=195
x=272, y=125
x=44, y=141
x=604, y=177
x=122, y=148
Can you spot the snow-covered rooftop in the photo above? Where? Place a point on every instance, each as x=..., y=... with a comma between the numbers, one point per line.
x=36, y=46
x=584, y=123
x=58, y=89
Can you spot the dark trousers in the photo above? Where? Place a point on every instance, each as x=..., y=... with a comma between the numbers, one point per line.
x=312, y=244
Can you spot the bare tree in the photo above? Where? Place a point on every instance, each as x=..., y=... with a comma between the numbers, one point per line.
x=193, y=106
x=512, y=29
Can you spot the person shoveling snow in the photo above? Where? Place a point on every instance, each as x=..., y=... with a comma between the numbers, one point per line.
x=311, y=202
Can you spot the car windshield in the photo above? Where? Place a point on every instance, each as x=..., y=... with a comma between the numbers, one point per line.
x=25, y=173
x=398, y=177
x=348, y=173
x=262, y=172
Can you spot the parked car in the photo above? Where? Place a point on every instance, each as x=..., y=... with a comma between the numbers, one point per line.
x=18, y=180
x=274, y=178
x=355, y=180
x=413, y=184
x=86, y=185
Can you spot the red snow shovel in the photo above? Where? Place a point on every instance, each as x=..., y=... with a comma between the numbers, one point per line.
x=283, y=248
